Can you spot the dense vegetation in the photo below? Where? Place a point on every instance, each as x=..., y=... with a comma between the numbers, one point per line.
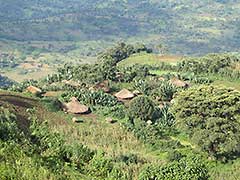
x=185, y=125
x=185, y=27
x=5, y=82
x=210, y=115
x=75, y=106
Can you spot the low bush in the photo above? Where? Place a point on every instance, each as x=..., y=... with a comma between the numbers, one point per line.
x=143, y=108
x=164, y=92
x=187, y=168
x=92, y=98
x=9, y=130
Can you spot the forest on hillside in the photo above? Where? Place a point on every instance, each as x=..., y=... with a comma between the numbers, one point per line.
x=186, y=27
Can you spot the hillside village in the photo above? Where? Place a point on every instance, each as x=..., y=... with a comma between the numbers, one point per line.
x=110, y=120
x=119, y=90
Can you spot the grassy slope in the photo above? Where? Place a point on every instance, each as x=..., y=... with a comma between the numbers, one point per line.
x=149, y=59
x=99, y=135
x=202, y=26
x=94, y=132
x=112, y=138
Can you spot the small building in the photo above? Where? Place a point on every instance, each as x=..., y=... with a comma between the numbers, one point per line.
x=75, y=107
x=34, y=90
x=179, y=83
x=124, y=94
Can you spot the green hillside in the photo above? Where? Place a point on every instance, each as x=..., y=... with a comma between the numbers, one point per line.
x=133, y=115
x=119, y=90
x=186, y=27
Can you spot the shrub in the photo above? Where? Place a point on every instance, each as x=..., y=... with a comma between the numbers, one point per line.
x=118, y=111
x=187, y=168
x=128, y=159
x=78, y=155
x=174, y=156
x=164, y=91
x=210, y=115
x=8, y=126
x=49, y=144
x=129, y=73
x=122, y=51
x=216, y=63
x=100, y=166
x=143, y=86
x=52, y=104
x=92, y=98
x=166, y=118
x=142, y=107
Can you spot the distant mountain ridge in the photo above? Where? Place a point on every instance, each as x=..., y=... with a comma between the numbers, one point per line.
x=187, y=27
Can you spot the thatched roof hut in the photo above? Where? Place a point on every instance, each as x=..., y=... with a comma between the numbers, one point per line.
x=137, y=92
x=34, y=90
x=124, y=94
x=179, y=83
x=71, y=83
x=161, y=79
x=103, y=86
x=75, y=107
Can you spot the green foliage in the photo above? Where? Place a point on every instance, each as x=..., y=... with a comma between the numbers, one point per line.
x=195, y=78
x=100, y=166
x=93, y=98
x=122, y=51
x=147, y=133
x=143, y=108
x=86, y=73
x=174, y=156
x=9, y=130
x=118, y=111
x=49, y=145
x=16, y=164
x=142, y=86
x=210, y=115
x=82, y=73
x=187, y=168
x=164, y=91
x=166, y=118
x=128, y=159
x=108, y=69
x=215, y=63
x=155, y=135
x=179, y=22
x=78, y=156
x=20, y=87
x=129, y=73
x=52, y=103
x=158, y=89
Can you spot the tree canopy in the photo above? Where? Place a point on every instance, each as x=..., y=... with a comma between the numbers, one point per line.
x=211, y=117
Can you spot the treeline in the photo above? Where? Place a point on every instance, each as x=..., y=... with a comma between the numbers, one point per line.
x=211, y=64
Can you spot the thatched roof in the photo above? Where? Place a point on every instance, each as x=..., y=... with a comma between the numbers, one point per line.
x=124, y=94
x=103, y=86
x=137, y=92
x=75, y=107
x=34, y=90
x=71, y=83
x=178, y=82
x=161, y=79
